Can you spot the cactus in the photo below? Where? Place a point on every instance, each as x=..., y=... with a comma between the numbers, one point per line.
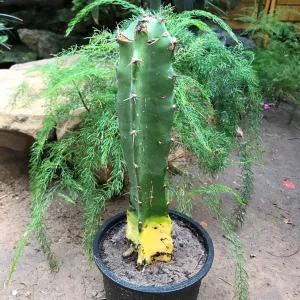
x=145, y=112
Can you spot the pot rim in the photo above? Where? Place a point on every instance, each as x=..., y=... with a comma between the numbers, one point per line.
x=208, y=244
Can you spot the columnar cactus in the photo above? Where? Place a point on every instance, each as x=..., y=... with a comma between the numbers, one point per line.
x=145, y=111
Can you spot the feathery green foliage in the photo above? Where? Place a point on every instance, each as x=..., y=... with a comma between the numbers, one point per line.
x=278, y=67
x=239, y=212
x=269, y=25
x=278, y=64
x=216, y=91
x=87, y=9
x=211, y=196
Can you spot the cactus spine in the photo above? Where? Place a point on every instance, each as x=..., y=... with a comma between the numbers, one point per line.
x=145, y=112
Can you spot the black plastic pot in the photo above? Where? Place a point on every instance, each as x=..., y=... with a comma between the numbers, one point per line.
x=117, y=289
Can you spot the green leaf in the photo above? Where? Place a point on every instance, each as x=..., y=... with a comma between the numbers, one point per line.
x=3, y=39
x=220, y=189
x=215, y=7
x=259, y=7
x=65, y=197
x=96, y=3
x=95, y=12
x=10, y=18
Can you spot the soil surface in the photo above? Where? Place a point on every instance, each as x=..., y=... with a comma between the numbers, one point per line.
x=188, y=258
x=269, y=242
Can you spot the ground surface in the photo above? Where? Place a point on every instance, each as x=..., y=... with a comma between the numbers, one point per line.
x=274, y=272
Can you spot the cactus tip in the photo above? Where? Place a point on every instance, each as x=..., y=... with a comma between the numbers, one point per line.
x=141, y=27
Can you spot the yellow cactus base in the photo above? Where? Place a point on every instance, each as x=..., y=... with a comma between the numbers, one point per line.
x=153, y=240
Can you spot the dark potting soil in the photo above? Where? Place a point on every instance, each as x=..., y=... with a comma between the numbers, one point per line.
x=188, y=258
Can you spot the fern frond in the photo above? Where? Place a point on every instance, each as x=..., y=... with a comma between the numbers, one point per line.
x=211, y=197
x=87, y=9
x=36, y=224
x=246, y=193
x=214, y=18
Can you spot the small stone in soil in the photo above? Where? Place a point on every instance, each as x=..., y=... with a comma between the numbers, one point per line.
x=15, y=293
x=27, y=294
x=128, y=252
x=94, y=294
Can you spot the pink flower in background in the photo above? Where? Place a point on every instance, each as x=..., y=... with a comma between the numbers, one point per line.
x=268, y=105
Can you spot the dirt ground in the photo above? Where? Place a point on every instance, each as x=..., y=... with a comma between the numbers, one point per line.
x=274, y=272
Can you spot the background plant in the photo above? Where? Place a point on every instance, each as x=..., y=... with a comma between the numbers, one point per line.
x=219, y=6
x=277, y=58
x=4, y=29
x=216, y=91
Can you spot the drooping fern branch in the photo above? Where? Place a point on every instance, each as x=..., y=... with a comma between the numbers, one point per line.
x=87, y=9
x=211, y=197
x=185, y=193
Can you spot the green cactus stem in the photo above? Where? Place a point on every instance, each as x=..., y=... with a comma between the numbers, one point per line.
x=145, y=111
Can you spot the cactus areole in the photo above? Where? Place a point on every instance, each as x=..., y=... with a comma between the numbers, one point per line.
x=145, y=112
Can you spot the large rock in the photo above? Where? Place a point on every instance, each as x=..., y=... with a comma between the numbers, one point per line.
x=15, y=140
x=39, y=63
x=57, y=20
x=19, y=125
x=45, y=42
x=227, y=40
x=17, y=55
x=71, y=124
